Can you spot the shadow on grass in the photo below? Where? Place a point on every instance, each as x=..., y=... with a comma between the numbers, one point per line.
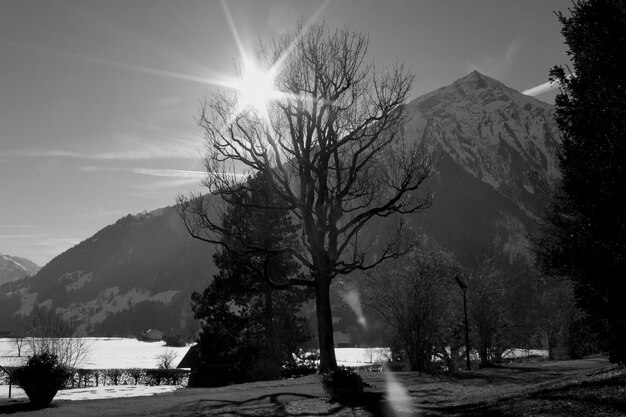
x=13, y=407
x=583, y=398
x=270, y=404
x=372, y=403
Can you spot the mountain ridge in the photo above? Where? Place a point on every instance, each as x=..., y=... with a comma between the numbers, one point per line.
x=14, y=268
x=497, y=160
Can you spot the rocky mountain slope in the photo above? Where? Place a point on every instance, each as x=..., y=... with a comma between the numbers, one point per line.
x=496, y=159
x=13, y=268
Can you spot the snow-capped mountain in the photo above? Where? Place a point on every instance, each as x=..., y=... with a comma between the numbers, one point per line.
x=13, y=268
x=496, y=158
x=502, y=137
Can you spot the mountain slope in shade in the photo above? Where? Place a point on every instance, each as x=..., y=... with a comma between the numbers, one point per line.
x=13, y=268
x=496, y=159
x=137, y=273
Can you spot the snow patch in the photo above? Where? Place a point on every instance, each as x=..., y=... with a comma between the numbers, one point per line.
x=529, y=188
x=111, y=301
x=75, y=280
x=27, y=302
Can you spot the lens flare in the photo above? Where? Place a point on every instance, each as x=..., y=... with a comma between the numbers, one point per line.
x=400, y=401
x=352, y=298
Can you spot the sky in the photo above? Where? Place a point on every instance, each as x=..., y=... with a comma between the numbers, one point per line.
x=99, y=99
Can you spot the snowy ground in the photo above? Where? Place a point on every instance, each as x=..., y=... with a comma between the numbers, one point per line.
x=93, y=393
x=105, y=353
x=120, y=353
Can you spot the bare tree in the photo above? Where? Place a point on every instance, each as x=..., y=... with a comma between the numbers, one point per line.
x=413, y=297
x=332, y=146
x=165, y=360
x=19, y=342
x=48, y=332
x=488, y=302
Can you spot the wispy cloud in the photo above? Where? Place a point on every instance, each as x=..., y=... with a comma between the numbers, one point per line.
x=497, y=65
x=154, y=172
x=123, y=148
x=165, y=178
x=541, y=88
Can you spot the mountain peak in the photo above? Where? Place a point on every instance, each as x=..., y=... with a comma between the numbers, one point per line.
x=13, y=268
x=476, y=81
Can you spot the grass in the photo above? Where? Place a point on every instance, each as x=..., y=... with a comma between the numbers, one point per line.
x=587, y=387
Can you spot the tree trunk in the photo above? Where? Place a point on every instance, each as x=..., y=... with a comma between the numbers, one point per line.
x=270, y=366
x=328, y=361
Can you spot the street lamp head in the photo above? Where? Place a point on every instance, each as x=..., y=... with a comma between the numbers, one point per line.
x=462, y=285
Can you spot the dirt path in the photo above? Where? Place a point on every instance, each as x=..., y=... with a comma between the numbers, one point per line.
x=393, y=394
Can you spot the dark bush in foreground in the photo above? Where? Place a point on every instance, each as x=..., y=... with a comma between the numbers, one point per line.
x=302, y=364
x=165, y=376
x=343, y=384
x=41, y=378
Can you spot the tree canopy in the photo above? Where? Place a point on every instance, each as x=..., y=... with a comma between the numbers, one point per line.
x=584, y=235
x=330, y=142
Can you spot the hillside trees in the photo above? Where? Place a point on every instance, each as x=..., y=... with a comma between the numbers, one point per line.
x=584, y=235
x=248, y=327
x=329, y=141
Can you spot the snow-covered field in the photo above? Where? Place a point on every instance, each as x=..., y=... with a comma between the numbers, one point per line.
x=120, y=353
x=105, y=353
x=93, y=393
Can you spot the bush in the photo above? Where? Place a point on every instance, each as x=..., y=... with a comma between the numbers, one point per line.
x=343, y=384
x=166, y=376
x=114, y=375
x=43, y=365
x=301, y=364
x=41, y=378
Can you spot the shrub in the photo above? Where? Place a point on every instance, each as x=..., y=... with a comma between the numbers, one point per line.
x=301, y=364
x=135, y=373
x=43, y=365
x=343, y=384
x=165, y=376
x=114, y=375
x=41, y=378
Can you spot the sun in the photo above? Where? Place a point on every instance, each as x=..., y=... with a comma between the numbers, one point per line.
x=256, y=89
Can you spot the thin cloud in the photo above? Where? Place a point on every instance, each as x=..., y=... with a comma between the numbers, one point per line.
x=154, y=172
x=125, y=149
x=496, y=66
x=165, y=184
x=541, y=88
x=170, y=173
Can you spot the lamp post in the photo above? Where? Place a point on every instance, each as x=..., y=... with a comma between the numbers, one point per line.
x=463, y=287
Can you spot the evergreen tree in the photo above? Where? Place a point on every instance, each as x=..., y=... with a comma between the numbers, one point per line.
x=249, y=327
x=584, y=236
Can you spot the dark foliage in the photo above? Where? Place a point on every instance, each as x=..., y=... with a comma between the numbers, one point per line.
x=41, y=366
x=249, y=327
x=41, y=378
x=302, y=364
x=584, y=236
x=343, y=384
